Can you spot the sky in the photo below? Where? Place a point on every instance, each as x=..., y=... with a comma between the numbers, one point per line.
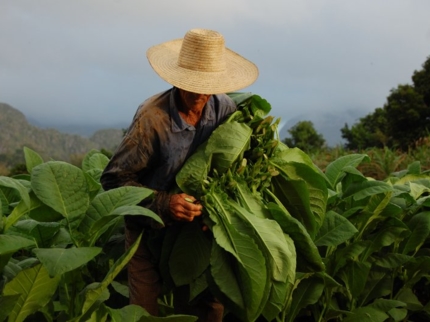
x=84, y=61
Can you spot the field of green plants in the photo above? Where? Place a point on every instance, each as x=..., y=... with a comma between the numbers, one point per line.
x=345, y=238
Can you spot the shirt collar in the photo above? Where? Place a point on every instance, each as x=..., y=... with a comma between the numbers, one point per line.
x=177, y=123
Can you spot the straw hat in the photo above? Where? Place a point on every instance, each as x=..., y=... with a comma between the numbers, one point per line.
x=201, y=63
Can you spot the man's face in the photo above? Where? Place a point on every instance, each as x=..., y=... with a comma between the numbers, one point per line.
x=193, y=101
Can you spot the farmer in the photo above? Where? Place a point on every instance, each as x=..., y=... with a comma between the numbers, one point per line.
x=166, y=129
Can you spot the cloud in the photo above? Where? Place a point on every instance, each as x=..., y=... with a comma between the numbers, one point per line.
x=85, y=60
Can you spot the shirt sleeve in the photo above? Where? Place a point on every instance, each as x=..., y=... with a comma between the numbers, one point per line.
x=133, y=158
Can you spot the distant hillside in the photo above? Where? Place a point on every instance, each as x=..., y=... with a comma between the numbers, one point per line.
x=326, y=123
x=82, y=129
x=16, y=132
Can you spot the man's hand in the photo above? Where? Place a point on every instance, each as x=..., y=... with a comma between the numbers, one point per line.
x=184, y=208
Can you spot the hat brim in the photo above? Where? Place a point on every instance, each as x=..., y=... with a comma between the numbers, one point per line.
x=239, y=72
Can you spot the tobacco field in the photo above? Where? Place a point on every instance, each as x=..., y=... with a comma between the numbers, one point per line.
x=287, y=241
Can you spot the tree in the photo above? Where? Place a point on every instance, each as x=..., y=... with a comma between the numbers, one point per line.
x=403, y=120
x=421, y=81
x=305, y=137
x=407, y=116
x=370, y=131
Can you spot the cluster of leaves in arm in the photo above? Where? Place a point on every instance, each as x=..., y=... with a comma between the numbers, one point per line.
x=231, y=174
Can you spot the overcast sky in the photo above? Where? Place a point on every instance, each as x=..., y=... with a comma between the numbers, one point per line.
x=84, y=60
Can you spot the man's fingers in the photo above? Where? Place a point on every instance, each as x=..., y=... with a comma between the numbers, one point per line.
x=185, y=207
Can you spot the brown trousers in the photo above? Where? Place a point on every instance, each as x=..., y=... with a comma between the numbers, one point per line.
x=145, y=286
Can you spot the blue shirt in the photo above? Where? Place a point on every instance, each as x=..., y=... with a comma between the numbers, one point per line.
x=159, y=141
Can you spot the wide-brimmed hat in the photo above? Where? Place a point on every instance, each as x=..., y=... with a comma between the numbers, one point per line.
x=201, y=63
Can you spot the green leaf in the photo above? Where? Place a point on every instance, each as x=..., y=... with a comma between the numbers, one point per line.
x=375, y=311
x=96, y=161
x=417, y=190
x=392, y=261
x=17, y=186
x=307, y=292
x=104, y=223
x=420, y=231
x=86, y=163
x=228, y=287
x=415, y=269
x=99, y=314
x=41, y=232
x=316, y=186
x=386, y=305
x=58, y=260
x=308, y=257
x=334, y=230
x=97, y=311
x=366, y=189
x=367, y=314
x=10, y=244
x=252, y=280
x=22, y=209
x=398, y=314
x=62, y=187
x=4, y=203
x=32, y=159
x=227, y=143
x=105, y=203
x=235, y=284
x=354, y=275
x=35, y=289
x=190, y=254
x=120, y=288
x=288, y=156
x=256, y=102
x=7, y=303
x=197, y=286
x=44, y=213
x=93, y=181
x=92, y=295
x=190, y=178
x=249, y=200
x=268, y=235
x=350, y=253
x=336, y=170
x=62, y=239
x=407, y=296
x=129, y=313
x=294, y=196
x=240, y=97
x=276, y=302
x=382, y=238
x=174, y=318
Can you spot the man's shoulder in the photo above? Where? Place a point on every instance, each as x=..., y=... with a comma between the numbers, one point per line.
x=152, y=111
x=156, y=101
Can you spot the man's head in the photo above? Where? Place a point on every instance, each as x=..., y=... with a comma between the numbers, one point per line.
x=193, y=101
x=200, y=63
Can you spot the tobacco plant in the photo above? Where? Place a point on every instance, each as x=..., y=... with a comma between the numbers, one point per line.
x=58, y=252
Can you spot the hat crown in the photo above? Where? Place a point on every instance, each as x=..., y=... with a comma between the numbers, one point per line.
x=203, y=50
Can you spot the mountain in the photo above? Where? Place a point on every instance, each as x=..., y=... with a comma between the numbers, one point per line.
x=82, y=129
x=16, y=132
x=326, y=123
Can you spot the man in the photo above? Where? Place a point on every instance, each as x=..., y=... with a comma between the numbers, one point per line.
x=166, y=129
